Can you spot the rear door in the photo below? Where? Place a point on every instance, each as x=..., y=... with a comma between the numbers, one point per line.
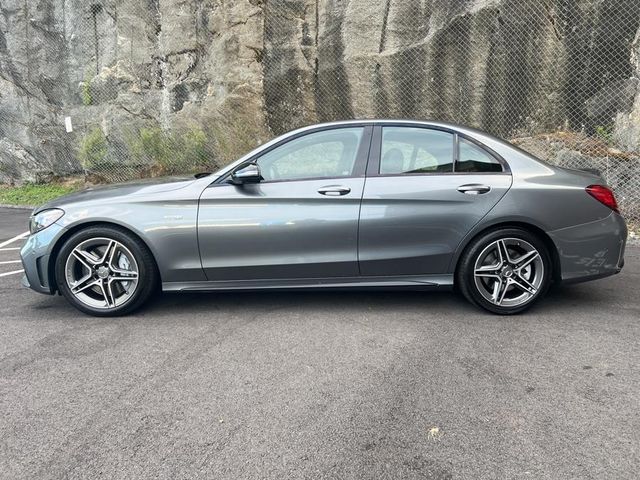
x=425, y=190
x=300, y=221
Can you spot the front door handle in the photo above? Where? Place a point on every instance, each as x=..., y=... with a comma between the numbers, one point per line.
x=333, y=190
x=474, y=189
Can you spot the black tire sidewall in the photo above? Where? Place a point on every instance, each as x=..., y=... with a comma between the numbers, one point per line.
x=147, y=272
x=465, y=276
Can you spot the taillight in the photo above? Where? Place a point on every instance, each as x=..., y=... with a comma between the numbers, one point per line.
x=604, y=195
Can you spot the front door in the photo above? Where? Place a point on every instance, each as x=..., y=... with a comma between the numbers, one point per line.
x=300, y=221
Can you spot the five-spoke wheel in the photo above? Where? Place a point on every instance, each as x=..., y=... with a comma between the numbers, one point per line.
x=105, y=271
x=504, y=271
x=101, y=273
x=508, y=272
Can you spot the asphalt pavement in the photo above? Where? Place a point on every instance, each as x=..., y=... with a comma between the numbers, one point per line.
x=320, y=385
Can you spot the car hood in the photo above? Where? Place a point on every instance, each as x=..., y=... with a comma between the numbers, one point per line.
x=106, y=192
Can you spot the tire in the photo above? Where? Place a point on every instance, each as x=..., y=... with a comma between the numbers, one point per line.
x=505, y=283
x=105, y=271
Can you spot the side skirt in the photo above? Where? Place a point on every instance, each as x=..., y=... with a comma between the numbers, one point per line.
x=408, y=281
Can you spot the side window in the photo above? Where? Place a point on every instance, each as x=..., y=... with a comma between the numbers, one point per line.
x=415, y=150
x=475, y=159
x=329, y=153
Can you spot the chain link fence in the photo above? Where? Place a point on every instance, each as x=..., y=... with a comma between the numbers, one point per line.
x=122, y=89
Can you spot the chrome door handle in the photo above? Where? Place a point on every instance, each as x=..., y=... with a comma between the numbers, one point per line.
x=333, y=190
x=474, y=189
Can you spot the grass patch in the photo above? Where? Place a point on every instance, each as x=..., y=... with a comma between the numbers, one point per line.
x=32, y=194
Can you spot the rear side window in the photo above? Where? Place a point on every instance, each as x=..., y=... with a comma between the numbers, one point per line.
x=472, y=158
x=407, y=150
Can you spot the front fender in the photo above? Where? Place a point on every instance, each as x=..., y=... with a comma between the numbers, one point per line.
x=167, y=227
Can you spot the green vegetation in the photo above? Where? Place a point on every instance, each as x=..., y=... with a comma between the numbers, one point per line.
x=179, y=151
x=145, y=151
x=149, y=150
x=87, y=98
x=31, y=194
x=605, y=133
x=151, y=145
x=93, y=149
x=196, y=151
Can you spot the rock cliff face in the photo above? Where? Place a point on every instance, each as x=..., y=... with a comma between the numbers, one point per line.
x=238, y=72
x=627, y=126
x=121, y=66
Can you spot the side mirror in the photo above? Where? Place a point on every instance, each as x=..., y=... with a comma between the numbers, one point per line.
x=248, y=174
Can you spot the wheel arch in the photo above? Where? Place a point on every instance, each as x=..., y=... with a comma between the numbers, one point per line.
x=55, y=251
x=531, y=228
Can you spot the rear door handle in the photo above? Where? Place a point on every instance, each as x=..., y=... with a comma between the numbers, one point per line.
x=333, y=190
x=474, y=189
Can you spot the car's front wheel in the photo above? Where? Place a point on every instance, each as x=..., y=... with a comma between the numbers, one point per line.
x=505, y=271
x=105, y=271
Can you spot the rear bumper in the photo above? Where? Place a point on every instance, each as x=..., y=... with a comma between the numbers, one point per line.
x=592, y=250
x=35, y=256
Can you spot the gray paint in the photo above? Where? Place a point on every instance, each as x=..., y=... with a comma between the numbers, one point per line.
x=279, y=230
x=388, y=231
x=412, y=225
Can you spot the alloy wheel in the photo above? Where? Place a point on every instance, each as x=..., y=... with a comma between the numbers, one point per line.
x=101, y=273
x=509, y=272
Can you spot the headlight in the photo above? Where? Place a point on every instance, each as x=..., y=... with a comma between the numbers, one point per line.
x=43, y=219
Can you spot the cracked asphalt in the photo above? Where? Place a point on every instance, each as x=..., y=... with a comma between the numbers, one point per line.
x=321, y=385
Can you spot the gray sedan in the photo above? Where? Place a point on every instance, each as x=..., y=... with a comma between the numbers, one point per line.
x=340, y=205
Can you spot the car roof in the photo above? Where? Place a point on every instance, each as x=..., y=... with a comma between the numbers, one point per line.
x=388, y=121
x=464, y=129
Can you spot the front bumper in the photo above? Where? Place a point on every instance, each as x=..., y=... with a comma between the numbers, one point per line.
x=591, y=250
x=35, y=255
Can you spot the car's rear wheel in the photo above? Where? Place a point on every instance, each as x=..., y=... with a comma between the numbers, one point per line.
x=505, y=271
x=105, y=271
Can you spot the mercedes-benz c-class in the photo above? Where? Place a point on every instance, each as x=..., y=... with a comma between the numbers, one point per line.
x=346, y=204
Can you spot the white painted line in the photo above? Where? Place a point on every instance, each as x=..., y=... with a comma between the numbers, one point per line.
x=11, y=273
x=7, y=249
x=10, y=261
x=14, y=239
